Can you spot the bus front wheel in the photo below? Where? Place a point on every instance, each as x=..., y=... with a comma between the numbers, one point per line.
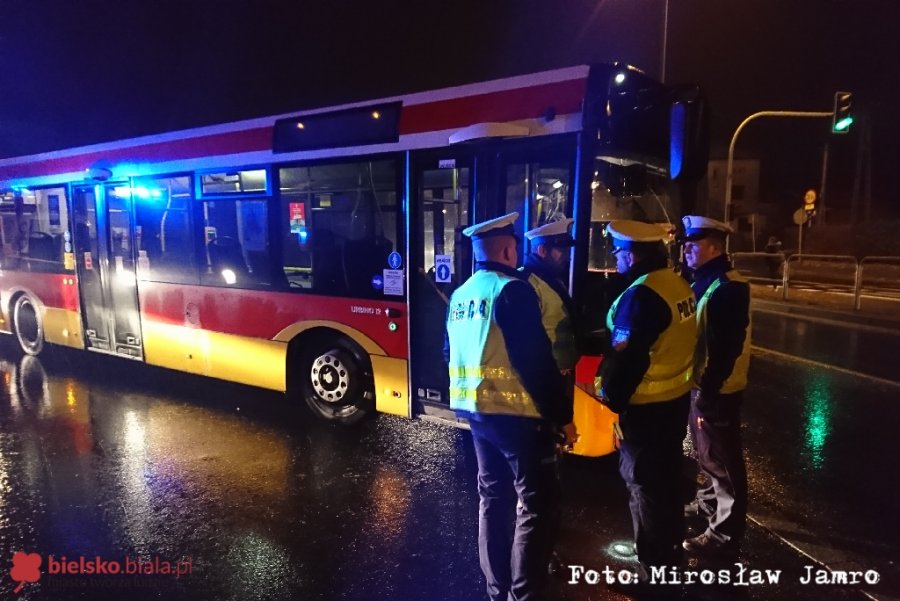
x=28, y=326
x=337, y=383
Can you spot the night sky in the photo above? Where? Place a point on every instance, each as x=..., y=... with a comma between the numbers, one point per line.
x=77, y=71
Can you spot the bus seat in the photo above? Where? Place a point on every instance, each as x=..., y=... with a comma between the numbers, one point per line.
x=327, y=275
x=265, y=272
x=41, y=251
x=225, y=252
x=364, y=259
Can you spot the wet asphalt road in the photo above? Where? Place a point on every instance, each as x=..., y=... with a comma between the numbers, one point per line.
x=101, y=457
x=871, y=351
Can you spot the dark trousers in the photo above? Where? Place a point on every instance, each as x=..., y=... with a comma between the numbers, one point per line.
x=716, y=430
x=517, y=475
x=650, y=458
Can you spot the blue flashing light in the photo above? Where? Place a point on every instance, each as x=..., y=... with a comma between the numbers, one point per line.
x=145, y=193
x=677, y=133
x=302, y=235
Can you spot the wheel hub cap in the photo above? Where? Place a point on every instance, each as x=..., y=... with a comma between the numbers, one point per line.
x=330, y=378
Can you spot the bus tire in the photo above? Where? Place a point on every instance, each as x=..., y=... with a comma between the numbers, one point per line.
x=28, y=326
x=336, y=382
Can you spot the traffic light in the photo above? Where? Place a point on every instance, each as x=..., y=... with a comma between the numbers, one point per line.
x=843, y=103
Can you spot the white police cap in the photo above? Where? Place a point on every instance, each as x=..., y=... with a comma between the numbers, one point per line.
x=627, y=233
x=697, y=228
x=499, y=226
x=555, y=233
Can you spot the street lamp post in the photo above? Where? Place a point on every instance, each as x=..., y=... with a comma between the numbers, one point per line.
x=665, y=42
x=729, y=171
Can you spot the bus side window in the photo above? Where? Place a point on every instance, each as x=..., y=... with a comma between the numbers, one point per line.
x=164, y=230
x=339, y=224
x=237, y=251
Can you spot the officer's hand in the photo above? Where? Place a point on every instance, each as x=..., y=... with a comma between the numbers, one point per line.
x=570, y=433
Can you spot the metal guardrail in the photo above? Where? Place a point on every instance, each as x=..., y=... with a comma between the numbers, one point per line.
x=876, y=276
x=815, y=276
x=889, y=284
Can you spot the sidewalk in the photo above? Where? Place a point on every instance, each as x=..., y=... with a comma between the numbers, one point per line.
x=879, y=312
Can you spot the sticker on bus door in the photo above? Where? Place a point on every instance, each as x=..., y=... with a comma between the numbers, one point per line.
x=88, y=261
x=393, y=282
x=442, y=269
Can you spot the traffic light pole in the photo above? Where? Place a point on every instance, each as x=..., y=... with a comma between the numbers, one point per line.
x=729, y=171
x=822, y=186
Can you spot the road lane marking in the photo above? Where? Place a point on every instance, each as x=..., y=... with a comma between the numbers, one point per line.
x=849, y=372
x=838, y=557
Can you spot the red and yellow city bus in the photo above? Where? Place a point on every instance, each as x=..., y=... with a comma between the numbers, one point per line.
x=313, y=253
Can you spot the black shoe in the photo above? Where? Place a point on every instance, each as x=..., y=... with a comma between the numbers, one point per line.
x=707, y=546
x=696, y=509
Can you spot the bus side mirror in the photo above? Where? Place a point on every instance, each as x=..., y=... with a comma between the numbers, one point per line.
x=688, y=135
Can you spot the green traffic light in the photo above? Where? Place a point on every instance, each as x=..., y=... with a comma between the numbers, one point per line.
x=843, y=124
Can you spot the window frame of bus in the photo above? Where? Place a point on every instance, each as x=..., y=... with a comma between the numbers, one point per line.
x=200, y=194
x=400, y=164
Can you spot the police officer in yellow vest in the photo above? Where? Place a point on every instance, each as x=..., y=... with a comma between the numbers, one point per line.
x=645, y=377
x=720, y=376
x=504, y=380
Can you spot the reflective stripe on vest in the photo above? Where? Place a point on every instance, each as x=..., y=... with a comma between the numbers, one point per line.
x=482, y=379
x=556, y=322
x=672, y=354
x=737, y=379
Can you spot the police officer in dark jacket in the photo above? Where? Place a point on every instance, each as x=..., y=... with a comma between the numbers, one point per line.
x=720, y=376
x=547, y=269
x=504, y=380
x=645, y=377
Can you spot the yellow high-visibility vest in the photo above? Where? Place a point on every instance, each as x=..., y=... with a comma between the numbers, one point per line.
x=482, y=379
x=737, y=379
x=557, y=323
x=672, y=355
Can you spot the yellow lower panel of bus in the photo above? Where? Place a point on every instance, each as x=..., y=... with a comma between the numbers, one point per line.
x=62, y=326
x=225, y=356
x=391, y=385
x=595, y=426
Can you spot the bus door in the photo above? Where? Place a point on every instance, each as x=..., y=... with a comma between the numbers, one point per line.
x=104, y=250
x=440, y=198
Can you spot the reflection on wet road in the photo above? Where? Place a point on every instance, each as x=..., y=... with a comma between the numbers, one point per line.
x=264, y=505
x=822, y=440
